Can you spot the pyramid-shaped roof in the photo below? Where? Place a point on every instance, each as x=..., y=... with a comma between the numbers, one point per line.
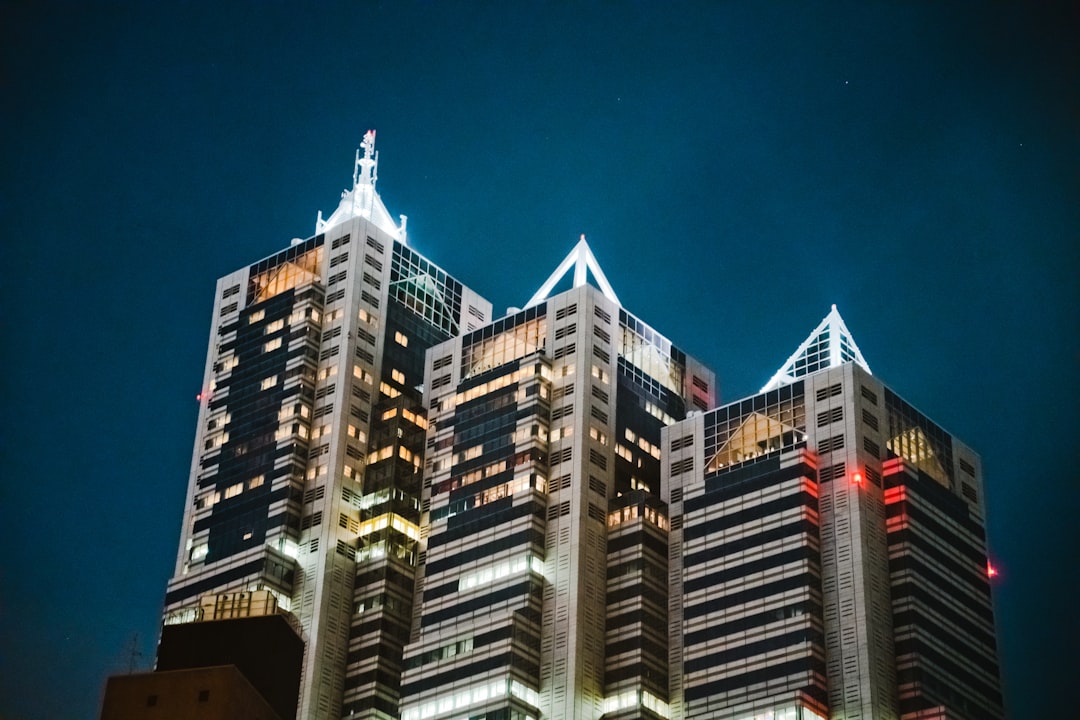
x=583, y=261
x=829, y=345
x=363, y=200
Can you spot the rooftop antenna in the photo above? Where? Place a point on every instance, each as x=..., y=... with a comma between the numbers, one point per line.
x=133, y=652
x=366, y=171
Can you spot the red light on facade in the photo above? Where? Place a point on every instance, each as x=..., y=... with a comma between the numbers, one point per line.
x=199, y=397
x=991, y=571
x=857, y=478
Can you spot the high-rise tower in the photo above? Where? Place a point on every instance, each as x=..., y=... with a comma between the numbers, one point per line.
x=305, y=482
x=827, y=550
x=545, y=433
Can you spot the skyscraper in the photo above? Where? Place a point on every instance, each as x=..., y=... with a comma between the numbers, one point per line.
x=545, y=430
x=546, y=514
x=828, y=553
x=305, y=477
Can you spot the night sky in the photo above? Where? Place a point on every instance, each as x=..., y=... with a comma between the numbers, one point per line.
x=736, y=167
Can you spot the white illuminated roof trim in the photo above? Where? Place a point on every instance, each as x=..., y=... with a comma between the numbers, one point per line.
x=829, y=345
x=363, y=201
x=582, y=260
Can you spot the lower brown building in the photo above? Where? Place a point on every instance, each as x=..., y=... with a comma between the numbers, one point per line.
x=210, y=693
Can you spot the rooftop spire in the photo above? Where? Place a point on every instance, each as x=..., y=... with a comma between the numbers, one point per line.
x=362, y=200
x=829, y=345
x=366, y=171
x=582, y=260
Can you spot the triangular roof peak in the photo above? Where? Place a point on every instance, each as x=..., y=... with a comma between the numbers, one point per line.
x=829, y=345
x=582, y=260
x=363, y=200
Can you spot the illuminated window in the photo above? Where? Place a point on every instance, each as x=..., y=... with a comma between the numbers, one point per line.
x=269, y=382
x=597, y=435
x=514, y=342
x=401, y=339
x=328, y=372
x=285, y=271
x=388, y=390
x=380, y=454
x=412, y=417
x=234, y=490
x=256, y=316
x=471, y=453
x=208, y=500
x=397, y=376
x=256, y=481
x=274, y=326
x=272, y=345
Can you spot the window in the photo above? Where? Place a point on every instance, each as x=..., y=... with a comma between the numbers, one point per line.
x=256, y=316
x=401, y=339
x=272, y=345
x=269, y=382
x=682, y=466
x=835, y=442
x=828, y=392
x=234, y=490
x=827, y=417
x=683, y=442
x=397, y=376
x=870, y=419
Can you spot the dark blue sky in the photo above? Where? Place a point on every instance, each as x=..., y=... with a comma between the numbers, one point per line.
x=916, y=163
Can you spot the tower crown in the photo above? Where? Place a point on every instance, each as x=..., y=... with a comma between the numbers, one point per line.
x=829, y=345
x=582, y=260
x=362, y=200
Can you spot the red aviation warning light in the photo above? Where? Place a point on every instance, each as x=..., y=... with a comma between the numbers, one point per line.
x=991, y=571
x=856, y=478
